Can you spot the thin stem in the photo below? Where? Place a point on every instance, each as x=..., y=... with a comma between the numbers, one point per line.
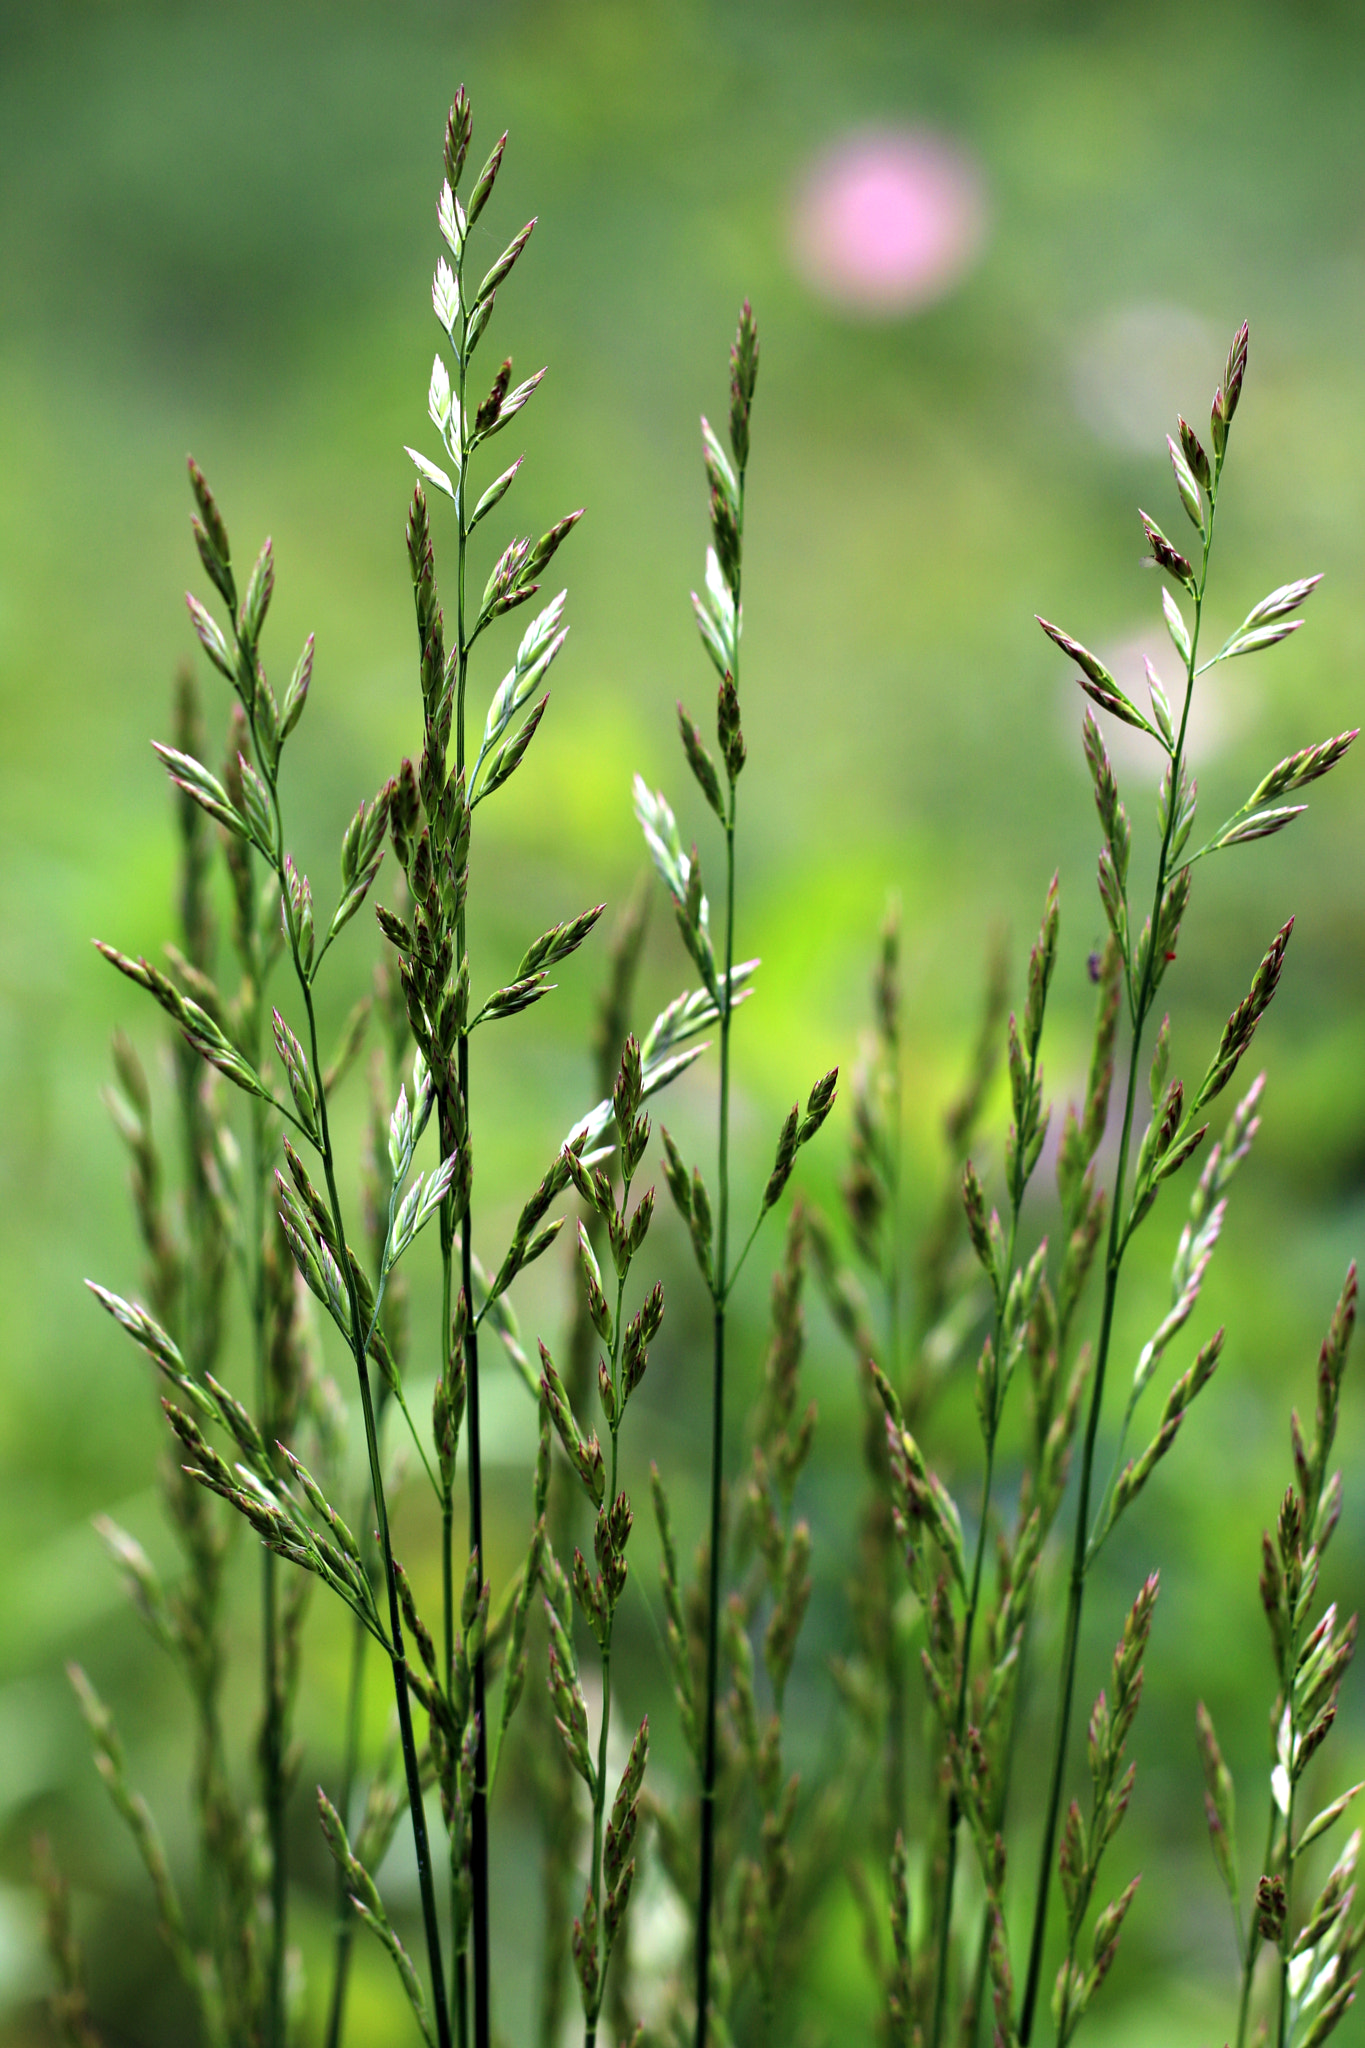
x=460, y=1961
x=720, y=1290
x=275, y=1801
x=1118, y=1237
x=945, y=1923
x=345, y=1911
x=734, y=1273
x=983, y=1947
x=395, y=1616
x=598, y=1807
x=478, y=1844
x=396, y=1651
x=350, y=1766
x=1073, y=1620
x=420, y=1447
x=191, y=1314
x=459, y=1958
x=1252, y=1943
x=896, y=1723
x=447, y=1489
x=973, y=1608
x=708, y=1788
x=272, y=1688
x=1009, y=1751
x=599, y=1797
x=397, y=1658
x=892, y=1278
x=272, y=1734
x=1101, y=1525
x=1018, y=1184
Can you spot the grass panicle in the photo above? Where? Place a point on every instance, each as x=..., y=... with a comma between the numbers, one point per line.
x=1174, y=1133
x=1314, y=1983
x=719, y=615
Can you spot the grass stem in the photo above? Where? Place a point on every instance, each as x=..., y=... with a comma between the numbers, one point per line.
x=1252, y=1942
x=945, y=1919
x=991, y=1424
x=478, y=1848
x=720, y=1285
x=345, y=1911
x=272, y=1685
x=397, y=1657
x=599, y=1798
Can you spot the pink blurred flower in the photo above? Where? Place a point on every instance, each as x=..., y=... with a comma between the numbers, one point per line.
x=887, y=220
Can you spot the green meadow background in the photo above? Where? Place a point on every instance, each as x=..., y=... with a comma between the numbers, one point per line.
x=216, y=233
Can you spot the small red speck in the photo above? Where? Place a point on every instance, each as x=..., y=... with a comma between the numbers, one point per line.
x=1170, y=956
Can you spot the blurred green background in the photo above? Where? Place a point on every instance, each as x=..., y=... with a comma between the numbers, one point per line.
x=217, y=229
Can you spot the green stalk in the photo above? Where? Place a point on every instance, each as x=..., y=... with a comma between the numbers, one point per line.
x=345, y=1914
x=719, y=1289
x=1118, y=1237
x=599, y=1797
x=945, y=1918
x=896, y=1733
x=892, y=1276
x=272, y=1746
x=974, y=1598
x=275, y=1803
x=350, y=1771
x=983, y=1946
x=204, y=1580
x=350, y=1768
x=1286, y=1937
x=478, y=1850
x=190, y=1304
x=727, y=515
x=896, y=1723
x=396, y=1650
x=1252, y=1943
x=397, y=1658
x=460, y=1961
x=447, y=1488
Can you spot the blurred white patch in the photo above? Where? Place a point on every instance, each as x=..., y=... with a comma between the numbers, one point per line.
x=885, y=221
x=659, y=1931
x=1279, y=1786
x=1135, y=368
x=1226, y=705
x=21, y=1970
